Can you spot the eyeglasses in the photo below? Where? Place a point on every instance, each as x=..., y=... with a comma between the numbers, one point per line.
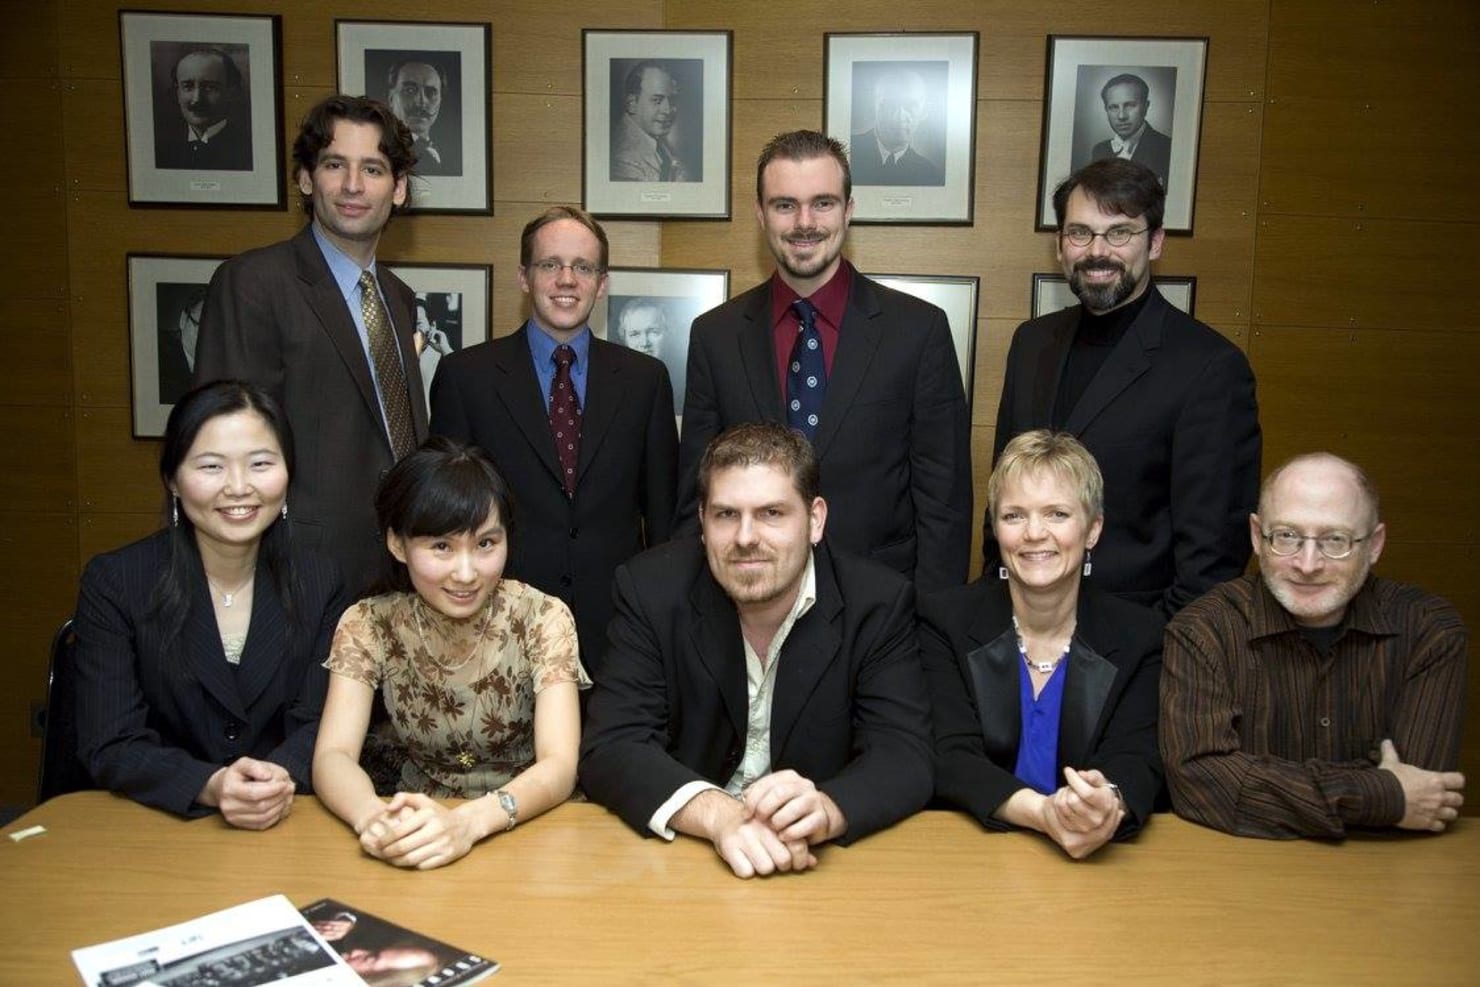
x=1334, y=545
x=1116, y=236
x=550, y=268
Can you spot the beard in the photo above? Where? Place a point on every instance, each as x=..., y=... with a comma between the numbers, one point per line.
x=1101, y=298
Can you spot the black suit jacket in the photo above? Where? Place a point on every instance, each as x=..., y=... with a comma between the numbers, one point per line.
x=867, y=166
x=1109, y=713
x=229, y=150
x=156, y=734
x=894, y=444
x=1154, y=150
x=849, y=709
x=274, y=316
x=488, y=394
x=1171, y=419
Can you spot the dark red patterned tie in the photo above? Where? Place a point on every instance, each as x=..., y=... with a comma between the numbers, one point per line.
x=565, y=418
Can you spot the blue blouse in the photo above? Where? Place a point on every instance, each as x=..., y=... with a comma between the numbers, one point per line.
x=1038, y=743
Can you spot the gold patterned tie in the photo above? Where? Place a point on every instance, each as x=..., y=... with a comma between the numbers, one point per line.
x=388, y=372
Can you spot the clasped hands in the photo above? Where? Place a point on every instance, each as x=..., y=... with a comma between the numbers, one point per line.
x=250, y=794
x=775, y=824
x=1083, y=814
x=414, y=830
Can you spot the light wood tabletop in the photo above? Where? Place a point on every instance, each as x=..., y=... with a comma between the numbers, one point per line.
x=576, y=897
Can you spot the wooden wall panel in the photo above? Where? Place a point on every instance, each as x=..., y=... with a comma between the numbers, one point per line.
x=1361, y=273
x=37, y=368
x=1391, y=400
x=38, y=582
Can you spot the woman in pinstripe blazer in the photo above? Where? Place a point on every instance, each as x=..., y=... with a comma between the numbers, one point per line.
x=199, y=678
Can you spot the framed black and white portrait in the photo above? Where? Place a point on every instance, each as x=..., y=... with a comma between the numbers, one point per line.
x=1051, y=292
x=437, y=78
x=957, y=296
x=203, y=113
x=656, y=106
x=905, y=104
x=165, y=297
x=1134, y=98
x=454, y=309
x=651, y=310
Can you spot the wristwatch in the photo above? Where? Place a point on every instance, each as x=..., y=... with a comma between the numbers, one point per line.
x=1109, y=784
x=507, y=803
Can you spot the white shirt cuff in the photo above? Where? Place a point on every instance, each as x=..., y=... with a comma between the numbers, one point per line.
x=665, y=812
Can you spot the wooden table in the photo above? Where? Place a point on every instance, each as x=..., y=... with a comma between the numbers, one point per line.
x=576, y=897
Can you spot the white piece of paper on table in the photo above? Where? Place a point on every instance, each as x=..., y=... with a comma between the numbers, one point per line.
x=261, y=942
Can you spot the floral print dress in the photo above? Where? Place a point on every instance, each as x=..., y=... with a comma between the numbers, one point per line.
x=460, y=692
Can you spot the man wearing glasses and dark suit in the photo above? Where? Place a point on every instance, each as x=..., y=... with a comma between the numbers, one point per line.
x=1164, y=402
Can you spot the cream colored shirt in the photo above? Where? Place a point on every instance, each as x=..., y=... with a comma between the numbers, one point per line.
x=760, y=687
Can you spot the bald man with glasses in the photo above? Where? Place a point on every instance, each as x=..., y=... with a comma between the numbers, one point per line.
x=1314, y=698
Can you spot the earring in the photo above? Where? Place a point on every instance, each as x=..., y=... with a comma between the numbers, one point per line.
x=174, y=512
x=284, y=511
x=1002, y=572
x=1088, y=565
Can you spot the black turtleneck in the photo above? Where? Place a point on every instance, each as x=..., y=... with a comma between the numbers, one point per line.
x=1094, y=338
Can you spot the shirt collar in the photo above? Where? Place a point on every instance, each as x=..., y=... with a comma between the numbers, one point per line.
x=1268, y=618
x=1117, y=144
x=542, y=345
x=831, y=299
x=208, y=133
x=346, y=272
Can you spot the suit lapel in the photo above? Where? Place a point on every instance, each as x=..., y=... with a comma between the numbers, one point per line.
x=858, y=341
x=322, y=292
x=1130, y=358
x=1085, y=692
x=267, y=640
x=758, y=358
x=201, y=638
x=519, y=389
x=1050, y=368
x=603, y=398
x=810, y=649
x=993, y=666
x=715, y=637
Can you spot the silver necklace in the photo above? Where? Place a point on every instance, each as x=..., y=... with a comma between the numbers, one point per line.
x=1041, y=667
x=227, y=599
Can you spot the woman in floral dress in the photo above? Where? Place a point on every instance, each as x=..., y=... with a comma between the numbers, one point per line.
x=479, y=673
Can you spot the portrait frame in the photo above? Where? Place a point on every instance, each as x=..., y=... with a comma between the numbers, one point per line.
x=240, y=163
x=684, y=293
x=460, y=179
x=620, y=176
x=1051, y=292
x=933, y=181
x=458, y=301
x=959, y=296
x=1075, y=124
x=165, y=291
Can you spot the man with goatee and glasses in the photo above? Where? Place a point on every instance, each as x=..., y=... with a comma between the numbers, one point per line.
x=1163, y=402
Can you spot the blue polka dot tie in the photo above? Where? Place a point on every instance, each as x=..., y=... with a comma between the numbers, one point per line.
x=565, y=418
x=806, y=372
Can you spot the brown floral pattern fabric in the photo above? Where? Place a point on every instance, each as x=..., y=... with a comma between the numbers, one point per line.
x=460, y=692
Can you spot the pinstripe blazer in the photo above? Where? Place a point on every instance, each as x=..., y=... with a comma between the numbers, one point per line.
x=156, y=734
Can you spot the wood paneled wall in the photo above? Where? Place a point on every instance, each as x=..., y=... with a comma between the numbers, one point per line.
x=1334, y=206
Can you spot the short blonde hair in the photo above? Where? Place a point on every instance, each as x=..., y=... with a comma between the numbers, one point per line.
x=1058, y=453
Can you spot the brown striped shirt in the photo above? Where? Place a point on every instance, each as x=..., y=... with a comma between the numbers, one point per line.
x=1264, y=735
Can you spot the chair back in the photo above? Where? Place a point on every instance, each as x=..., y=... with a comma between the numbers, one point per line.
x=61, y=771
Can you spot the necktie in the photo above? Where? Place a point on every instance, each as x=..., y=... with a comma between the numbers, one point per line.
x=806, y=377
x=565, y=418
x=428, y=149
x=665, y=164
x=388, y=373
